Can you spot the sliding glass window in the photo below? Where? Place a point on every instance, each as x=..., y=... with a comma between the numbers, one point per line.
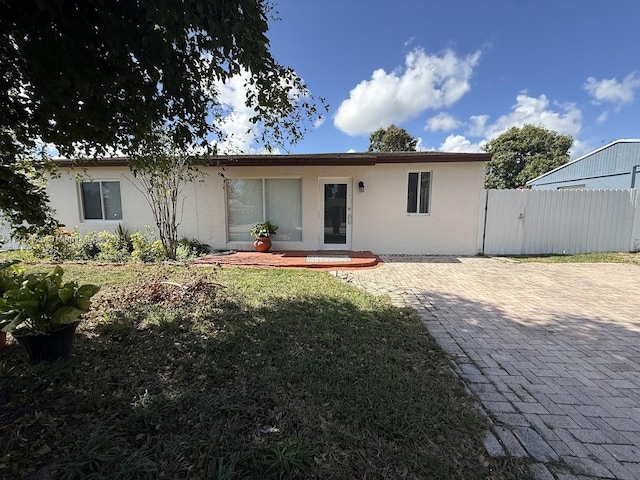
x=251, y=201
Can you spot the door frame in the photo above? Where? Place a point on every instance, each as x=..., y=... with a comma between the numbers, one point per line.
x=348, y=181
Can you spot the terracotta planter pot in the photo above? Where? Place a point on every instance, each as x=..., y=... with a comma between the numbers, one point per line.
x=262, y=244
x=50, y=347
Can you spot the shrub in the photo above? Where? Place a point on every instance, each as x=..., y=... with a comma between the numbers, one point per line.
x=112, y=248
x=85, y=247
x=57, y=246
x=146, y=248
x=191, y=248
x=125, y=238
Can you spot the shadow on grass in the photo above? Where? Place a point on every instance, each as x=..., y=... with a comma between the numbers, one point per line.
x=252, y=385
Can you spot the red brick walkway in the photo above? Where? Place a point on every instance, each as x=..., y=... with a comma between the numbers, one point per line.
x=292, y=259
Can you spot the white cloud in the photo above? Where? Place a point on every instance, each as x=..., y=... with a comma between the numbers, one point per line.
x=237, y=125
x=426, y=81
x=422, y=147
x=460, y=144
x=442, y=121
x=410, y=41
x=478, y=124
x=579, y=148
x=319, y=121
x=612, y=91
x=603, y=117
x=351, y=150
x=239, y=133
x=562, y=118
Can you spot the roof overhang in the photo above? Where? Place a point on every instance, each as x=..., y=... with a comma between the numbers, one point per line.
x=622, y=140
x=310, y=159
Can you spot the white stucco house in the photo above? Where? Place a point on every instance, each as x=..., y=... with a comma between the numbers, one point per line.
x=410, y=202
x=611, y=167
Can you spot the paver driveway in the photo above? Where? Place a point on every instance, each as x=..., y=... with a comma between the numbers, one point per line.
x=552, y=352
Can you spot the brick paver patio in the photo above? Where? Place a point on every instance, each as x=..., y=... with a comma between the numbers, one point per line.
x=551, y=352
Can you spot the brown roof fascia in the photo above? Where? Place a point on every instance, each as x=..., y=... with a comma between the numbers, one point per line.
x=93, y=162
x=310, y=159
x=431, y=157
x=322, y=159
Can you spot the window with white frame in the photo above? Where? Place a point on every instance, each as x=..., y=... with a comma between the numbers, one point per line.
x=418, y=192
x=255, y=200
x=101, y=200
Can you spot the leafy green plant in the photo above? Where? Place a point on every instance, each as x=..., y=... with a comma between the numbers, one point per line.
x=265, y=229
x=113, y=248
x=57, y=246
x=11, y=275
x=124, y=236
x=146, y=247
x=191, y=248
x=85, y=247
x=41, y=302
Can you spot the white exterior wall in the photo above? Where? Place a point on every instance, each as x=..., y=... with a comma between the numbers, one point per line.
x=64, y=193
x=380, y=222
x=382, y=225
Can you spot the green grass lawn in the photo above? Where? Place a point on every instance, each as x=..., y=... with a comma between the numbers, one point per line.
x=236, y=373
x=605, y=257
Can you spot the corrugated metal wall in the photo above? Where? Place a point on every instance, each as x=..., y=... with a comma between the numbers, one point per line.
x=616, y=159
x=529, y=222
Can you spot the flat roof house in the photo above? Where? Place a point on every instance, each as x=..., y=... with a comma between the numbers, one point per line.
x=612, y=167
x=409, y=202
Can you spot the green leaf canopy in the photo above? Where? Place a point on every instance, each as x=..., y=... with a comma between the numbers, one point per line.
x=93, y=77
x=392, y=139
x=523, y=153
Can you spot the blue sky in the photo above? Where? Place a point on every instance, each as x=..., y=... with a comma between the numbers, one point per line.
x=457, y=73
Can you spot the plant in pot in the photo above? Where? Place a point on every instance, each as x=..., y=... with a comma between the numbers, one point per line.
x=42, y=313
x=262, y=233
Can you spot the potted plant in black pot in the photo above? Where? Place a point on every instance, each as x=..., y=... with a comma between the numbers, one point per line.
x=262, y=233
x=42, y=313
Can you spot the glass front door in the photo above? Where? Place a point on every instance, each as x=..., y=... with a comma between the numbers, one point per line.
x=336, y=223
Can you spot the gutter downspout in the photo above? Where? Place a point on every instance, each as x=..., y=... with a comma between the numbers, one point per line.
x=634, y=172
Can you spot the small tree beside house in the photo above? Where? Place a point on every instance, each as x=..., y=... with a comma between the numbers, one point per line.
x=161, y=171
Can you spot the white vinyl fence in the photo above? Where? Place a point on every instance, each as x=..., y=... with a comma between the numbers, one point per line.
x=530, y=222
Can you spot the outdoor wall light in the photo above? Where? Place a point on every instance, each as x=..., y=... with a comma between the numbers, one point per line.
x=361, y=186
